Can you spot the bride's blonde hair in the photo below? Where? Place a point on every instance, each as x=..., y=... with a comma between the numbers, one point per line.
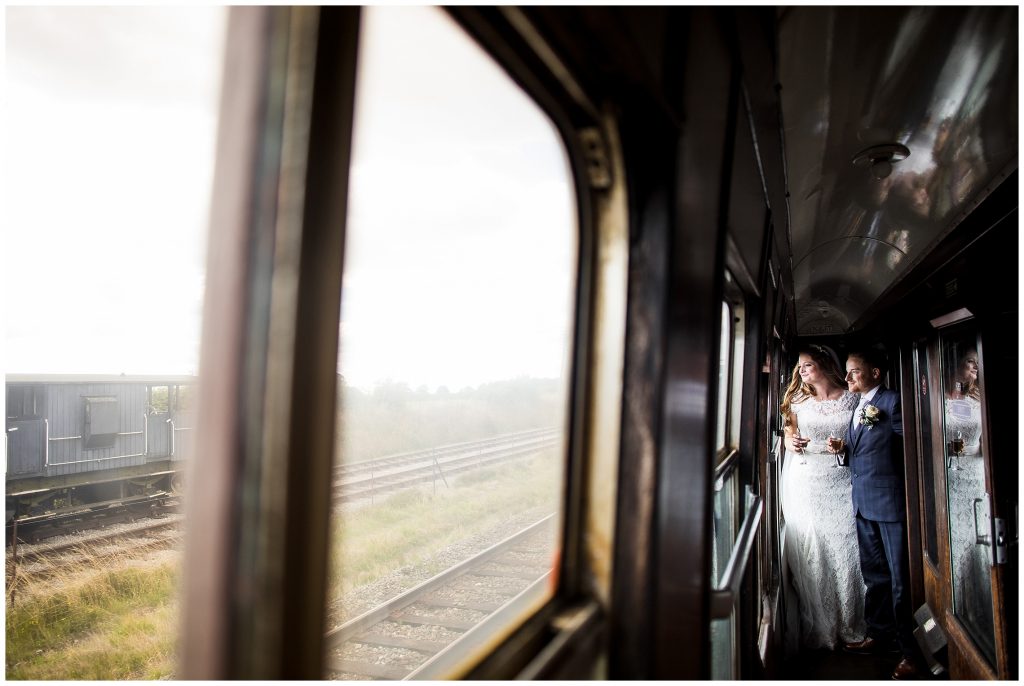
x=799, y=391
x=971, y=389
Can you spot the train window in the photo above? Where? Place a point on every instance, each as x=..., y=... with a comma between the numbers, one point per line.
x=730, y=370
x=111, y=119
x=24, y=402
x=729, y=505
x=724, y=367
x=970, y=526
x=738, y=333
x=723, y=538
x=457, y=304
x=159, y=399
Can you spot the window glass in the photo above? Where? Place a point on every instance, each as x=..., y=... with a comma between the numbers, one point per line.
x=970, y=525
x=736, y=384
x=159, y=399
x=454, y=350
x=730, y=369
x=729, y=508
x=111, y=116
x=724, y=349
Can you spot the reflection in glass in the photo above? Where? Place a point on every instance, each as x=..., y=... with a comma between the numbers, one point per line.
x=969, y=524
x=456, y=312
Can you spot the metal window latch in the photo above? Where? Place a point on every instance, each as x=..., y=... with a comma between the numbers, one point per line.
x=999, y=539
x=599, y=170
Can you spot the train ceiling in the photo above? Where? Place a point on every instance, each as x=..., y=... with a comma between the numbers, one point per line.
x=897, y=123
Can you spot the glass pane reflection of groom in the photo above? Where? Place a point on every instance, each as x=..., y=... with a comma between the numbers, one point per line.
x=876, y=468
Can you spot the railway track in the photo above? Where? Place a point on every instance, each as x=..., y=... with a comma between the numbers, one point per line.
x=93, y=516
x=366, y=479
x=354, y=481
x=91, y=551
x=424, y=632
x=400, y=459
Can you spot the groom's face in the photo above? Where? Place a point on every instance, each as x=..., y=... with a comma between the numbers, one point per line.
x=860, y=378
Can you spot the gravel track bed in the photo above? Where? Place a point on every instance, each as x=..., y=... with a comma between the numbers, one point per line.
x=345, y=676
x=506, y=586
x=499, y=568
x=420, y=632
x=461, y=614
x=380, y=655
x=469, y=590
x=538, y=558
x=371, y=595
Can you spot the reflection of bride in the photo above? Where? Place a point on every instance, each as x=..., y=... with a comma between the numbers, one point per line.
x=821, y=537
x=966, y=480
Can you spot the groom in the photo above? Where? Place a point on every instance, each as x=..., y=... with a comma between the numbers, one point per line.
x=876, y=469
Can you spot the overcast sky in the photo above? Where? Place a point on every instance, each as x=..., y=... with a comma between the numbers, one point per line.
x=461, y=241
x=111, y=118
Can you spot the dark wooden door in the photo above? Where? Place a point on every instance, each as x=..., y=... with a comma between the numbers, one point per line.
x=965, y=497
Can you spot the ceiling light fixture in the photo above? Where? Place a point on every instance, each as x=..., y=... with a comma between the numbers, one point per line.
x=881, y=157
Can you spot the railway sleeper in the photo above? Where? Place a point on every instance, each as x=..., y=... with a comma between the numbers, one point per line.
x=446, y=622
x=526, y=575
x=477, y=606
x=417, y=644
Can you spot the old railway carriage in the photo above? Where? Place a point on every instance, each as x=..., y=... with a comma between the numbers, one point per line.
x=75, y=441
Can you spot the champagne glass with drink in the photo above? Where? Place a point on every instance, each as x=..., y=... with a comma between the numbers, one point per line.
x=837, y=447
x=957, y=445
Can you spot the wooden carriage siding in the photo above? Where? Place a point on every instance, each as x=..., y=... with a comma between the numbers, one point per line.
x=55, y=441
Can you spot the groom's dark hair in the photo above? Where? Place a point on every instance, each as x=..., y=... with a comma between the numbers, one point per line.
x=874, y=359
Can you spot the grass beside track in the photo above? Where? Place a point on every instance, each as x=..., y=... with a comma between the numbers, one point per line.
x=117, y=624
x=114, y=623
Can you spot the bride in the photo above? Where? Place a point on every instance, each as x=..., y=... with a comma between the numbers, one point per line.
x=821, y=535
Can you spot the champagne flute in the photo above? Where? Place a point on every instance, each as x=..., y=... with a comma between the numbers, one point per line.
x=797, y=437
x=957, y=444
x=836, y=445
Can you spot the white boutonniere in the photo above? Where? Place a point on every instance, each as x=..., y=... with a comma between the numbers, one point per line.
x=869, y=416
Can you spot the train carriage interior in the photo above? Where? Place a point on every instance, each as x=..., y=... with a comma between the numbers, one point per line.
x=488, y=357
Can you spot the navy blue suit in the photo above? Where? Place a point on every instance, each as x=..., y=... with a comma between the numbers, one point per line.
x=879, y=504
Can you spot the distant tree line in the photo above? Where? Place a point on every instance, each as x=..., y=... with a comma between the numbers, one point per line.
x=393, y=418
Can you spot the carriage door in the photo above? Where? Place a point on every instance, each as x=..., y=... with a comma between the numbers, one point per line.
x=973, y=547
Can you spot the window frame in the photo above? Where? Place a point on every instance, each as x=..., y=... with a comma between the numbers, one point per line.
x=269, y=415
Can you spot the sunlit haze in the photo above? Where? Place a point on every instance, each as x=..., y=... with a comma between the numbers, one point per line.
x=460, y=248
x=111, y=119
x=460, y=254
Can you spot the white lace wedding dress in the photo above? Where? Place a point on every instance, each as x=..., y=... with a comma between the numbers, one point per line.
x=821, y=533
